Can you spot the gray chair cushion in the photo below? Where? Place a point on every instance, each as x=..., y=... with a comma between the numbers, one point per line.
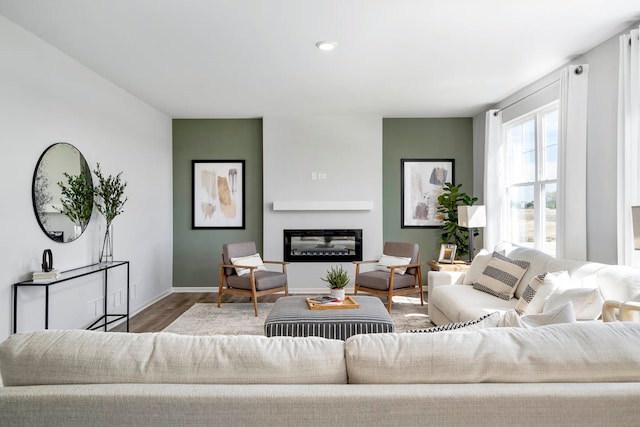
x=380, y=280
x=264, y=280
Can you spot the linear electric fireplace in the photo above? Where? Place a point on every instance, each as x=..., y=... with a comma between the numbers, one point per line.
x=322, y=245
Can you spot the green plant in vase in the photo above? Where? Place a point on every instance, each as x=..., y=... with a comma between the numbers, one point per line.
x=109, y=200
x=337, y=279
x=77, y=198
x=448, y=202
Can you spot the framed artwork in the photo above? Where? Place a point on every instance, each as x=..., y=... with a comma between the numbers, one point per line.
x=422, y=181
x=447, y=253
x=218, y=194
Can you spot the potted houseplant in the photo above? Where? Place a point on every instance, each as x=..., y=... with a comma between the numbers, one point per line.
x=110, y=198
x=77, y=199
x=448, y=202
x=337, y=279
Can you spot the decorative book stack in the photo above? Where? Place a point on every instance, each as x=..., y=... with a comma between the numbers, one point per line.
x=45, y=276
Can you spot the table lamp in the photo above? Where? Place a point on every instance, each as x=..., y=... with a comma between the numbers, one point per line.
x=472, y=217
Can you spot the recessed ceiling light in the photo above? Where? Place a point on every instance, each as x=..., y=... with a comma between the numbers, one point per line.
x=326, y=45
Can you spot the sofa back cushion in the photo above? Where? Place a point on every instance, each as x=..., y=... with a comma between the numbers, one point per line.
x=85, y=357
x=571, y=352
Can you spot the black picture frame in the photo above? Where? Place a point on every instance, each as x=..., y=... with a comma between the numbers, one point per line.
x=422, y=181
x=218, y=194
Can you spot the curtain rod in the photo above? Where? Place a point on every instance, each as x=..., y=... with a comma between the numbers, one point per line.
x=578, y=71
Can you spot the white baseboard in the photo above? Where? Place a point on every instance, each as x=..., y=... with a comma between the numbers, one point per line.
x=185, y=289
x=144, y=306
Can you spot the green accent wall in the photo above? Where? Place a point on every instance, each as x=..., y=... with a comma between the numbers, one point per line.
x=447, y=138
x=197, y=253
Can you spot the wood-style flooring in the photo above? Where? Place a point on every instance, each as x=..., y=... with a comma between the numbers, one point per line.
x=160, y=314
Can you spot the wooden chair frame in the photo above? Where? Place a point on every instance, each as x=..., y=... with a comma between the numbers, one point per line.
x=390, y=293
x=251, y=293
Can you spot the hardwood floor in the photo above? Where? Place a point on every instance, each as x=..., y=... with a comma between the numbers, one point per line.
x=160, y=315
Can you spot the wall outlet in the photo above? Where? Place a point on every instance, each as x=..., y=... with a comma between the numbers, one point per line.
x=322, y=175
x=314, y=175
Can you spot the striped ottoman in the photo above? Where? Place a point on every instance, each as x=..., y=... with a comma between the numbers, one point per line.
x=291, y=317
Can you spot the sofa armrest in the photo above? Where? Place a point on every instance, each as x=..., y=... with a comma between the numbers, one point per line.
x=439, y=278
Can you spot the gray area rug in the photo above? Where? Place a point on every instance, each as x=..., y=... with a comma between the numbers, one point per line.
x=238, y=318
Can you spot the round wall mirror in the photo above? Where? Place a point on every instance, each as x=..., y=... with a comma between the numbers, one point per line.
x=62, y=192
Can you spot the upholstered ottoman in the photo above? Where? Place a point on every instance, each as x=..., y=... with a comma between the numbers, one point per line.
x=291, y=316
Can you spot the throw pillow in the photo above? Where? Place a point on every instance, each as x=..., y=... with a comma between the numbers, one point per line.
x=587, y=302
x=477, y=266
x=538, y=290
x=564, y=314
x=388, y=260
x=501, y=276
x=248, y=261
x=490, y=320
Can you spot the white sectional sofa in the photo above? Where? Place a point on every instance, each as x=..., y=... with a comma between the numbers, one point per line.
x=573, y=374
x=452, y=298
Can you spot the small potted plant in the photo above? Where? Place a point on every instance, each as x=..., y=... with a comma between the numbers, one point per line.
x=338, y=279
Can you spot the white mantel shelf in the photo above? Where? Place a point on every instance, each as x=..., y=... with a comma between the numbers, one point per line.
x=323, y=206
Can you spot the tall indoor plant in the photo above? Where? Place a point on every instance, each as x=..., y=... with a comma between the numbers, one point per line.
x=109, y=200
x=448, y=203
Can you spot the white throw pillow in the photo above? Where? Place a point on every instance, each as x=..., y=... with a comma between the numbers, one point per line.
x=248, y=261
x=477, y=266
x=587, y=302
x=564, y=314
x=539, y=289
x=388, y=260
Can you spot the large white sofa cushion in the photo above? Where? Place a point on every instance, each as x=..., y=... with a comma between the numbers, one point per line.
x=570, y=352
x=85, y=357
x=461, y=302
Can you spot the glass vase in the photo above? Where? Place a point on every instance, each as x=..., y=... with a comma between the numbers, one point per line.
x=106, y=245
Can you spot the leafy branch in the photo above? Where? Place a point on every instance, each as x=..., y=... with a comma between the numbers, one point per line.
x=77, y=197
x=110, y=196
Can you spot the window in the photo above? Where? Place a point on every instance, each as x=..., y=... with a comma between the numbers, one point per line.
x=532, y=175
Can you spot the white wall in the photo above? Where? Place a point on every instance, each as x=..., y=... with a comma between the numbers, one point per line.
x=601, y=145
x=47, y=97
x=348, y=149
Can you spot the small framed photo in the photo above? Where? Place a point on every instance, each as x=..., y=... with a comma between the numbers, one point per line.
x=447, y=253
x=218, y=194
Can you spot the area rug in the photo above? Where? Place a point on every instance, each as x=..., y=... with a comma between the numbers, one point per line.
x=238, y=318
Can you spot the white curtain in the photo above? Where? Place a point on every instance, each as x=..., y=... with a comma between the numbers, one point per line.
x=628, y=144
x=571, y=214
x=572, y=169
x=494, y=180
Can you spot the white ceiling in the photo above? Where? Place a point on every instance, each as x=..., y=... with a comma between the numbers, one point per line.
x=254, y=58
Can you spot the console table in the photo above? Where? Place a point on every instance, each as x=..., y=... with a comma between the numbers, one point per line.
x=76, y=273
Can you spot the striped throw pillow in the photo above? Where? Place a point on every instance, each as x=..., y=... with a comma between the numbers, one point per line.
x=490, y=320
x=501, y=276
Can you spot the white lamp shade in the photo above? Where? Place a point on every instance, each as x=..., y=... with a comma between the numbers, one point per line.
x=635, y=218
x=472, y=216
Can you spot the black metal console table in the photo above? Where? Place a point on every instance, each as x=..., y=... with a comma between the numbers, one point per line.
x=76, y=273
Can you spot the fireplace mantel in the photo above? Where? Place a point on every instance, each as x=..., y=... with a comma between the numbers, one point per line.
x=344, y=205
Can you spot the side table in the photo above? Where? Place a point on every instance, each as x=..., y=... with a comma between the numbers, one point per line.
x=456, y=266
